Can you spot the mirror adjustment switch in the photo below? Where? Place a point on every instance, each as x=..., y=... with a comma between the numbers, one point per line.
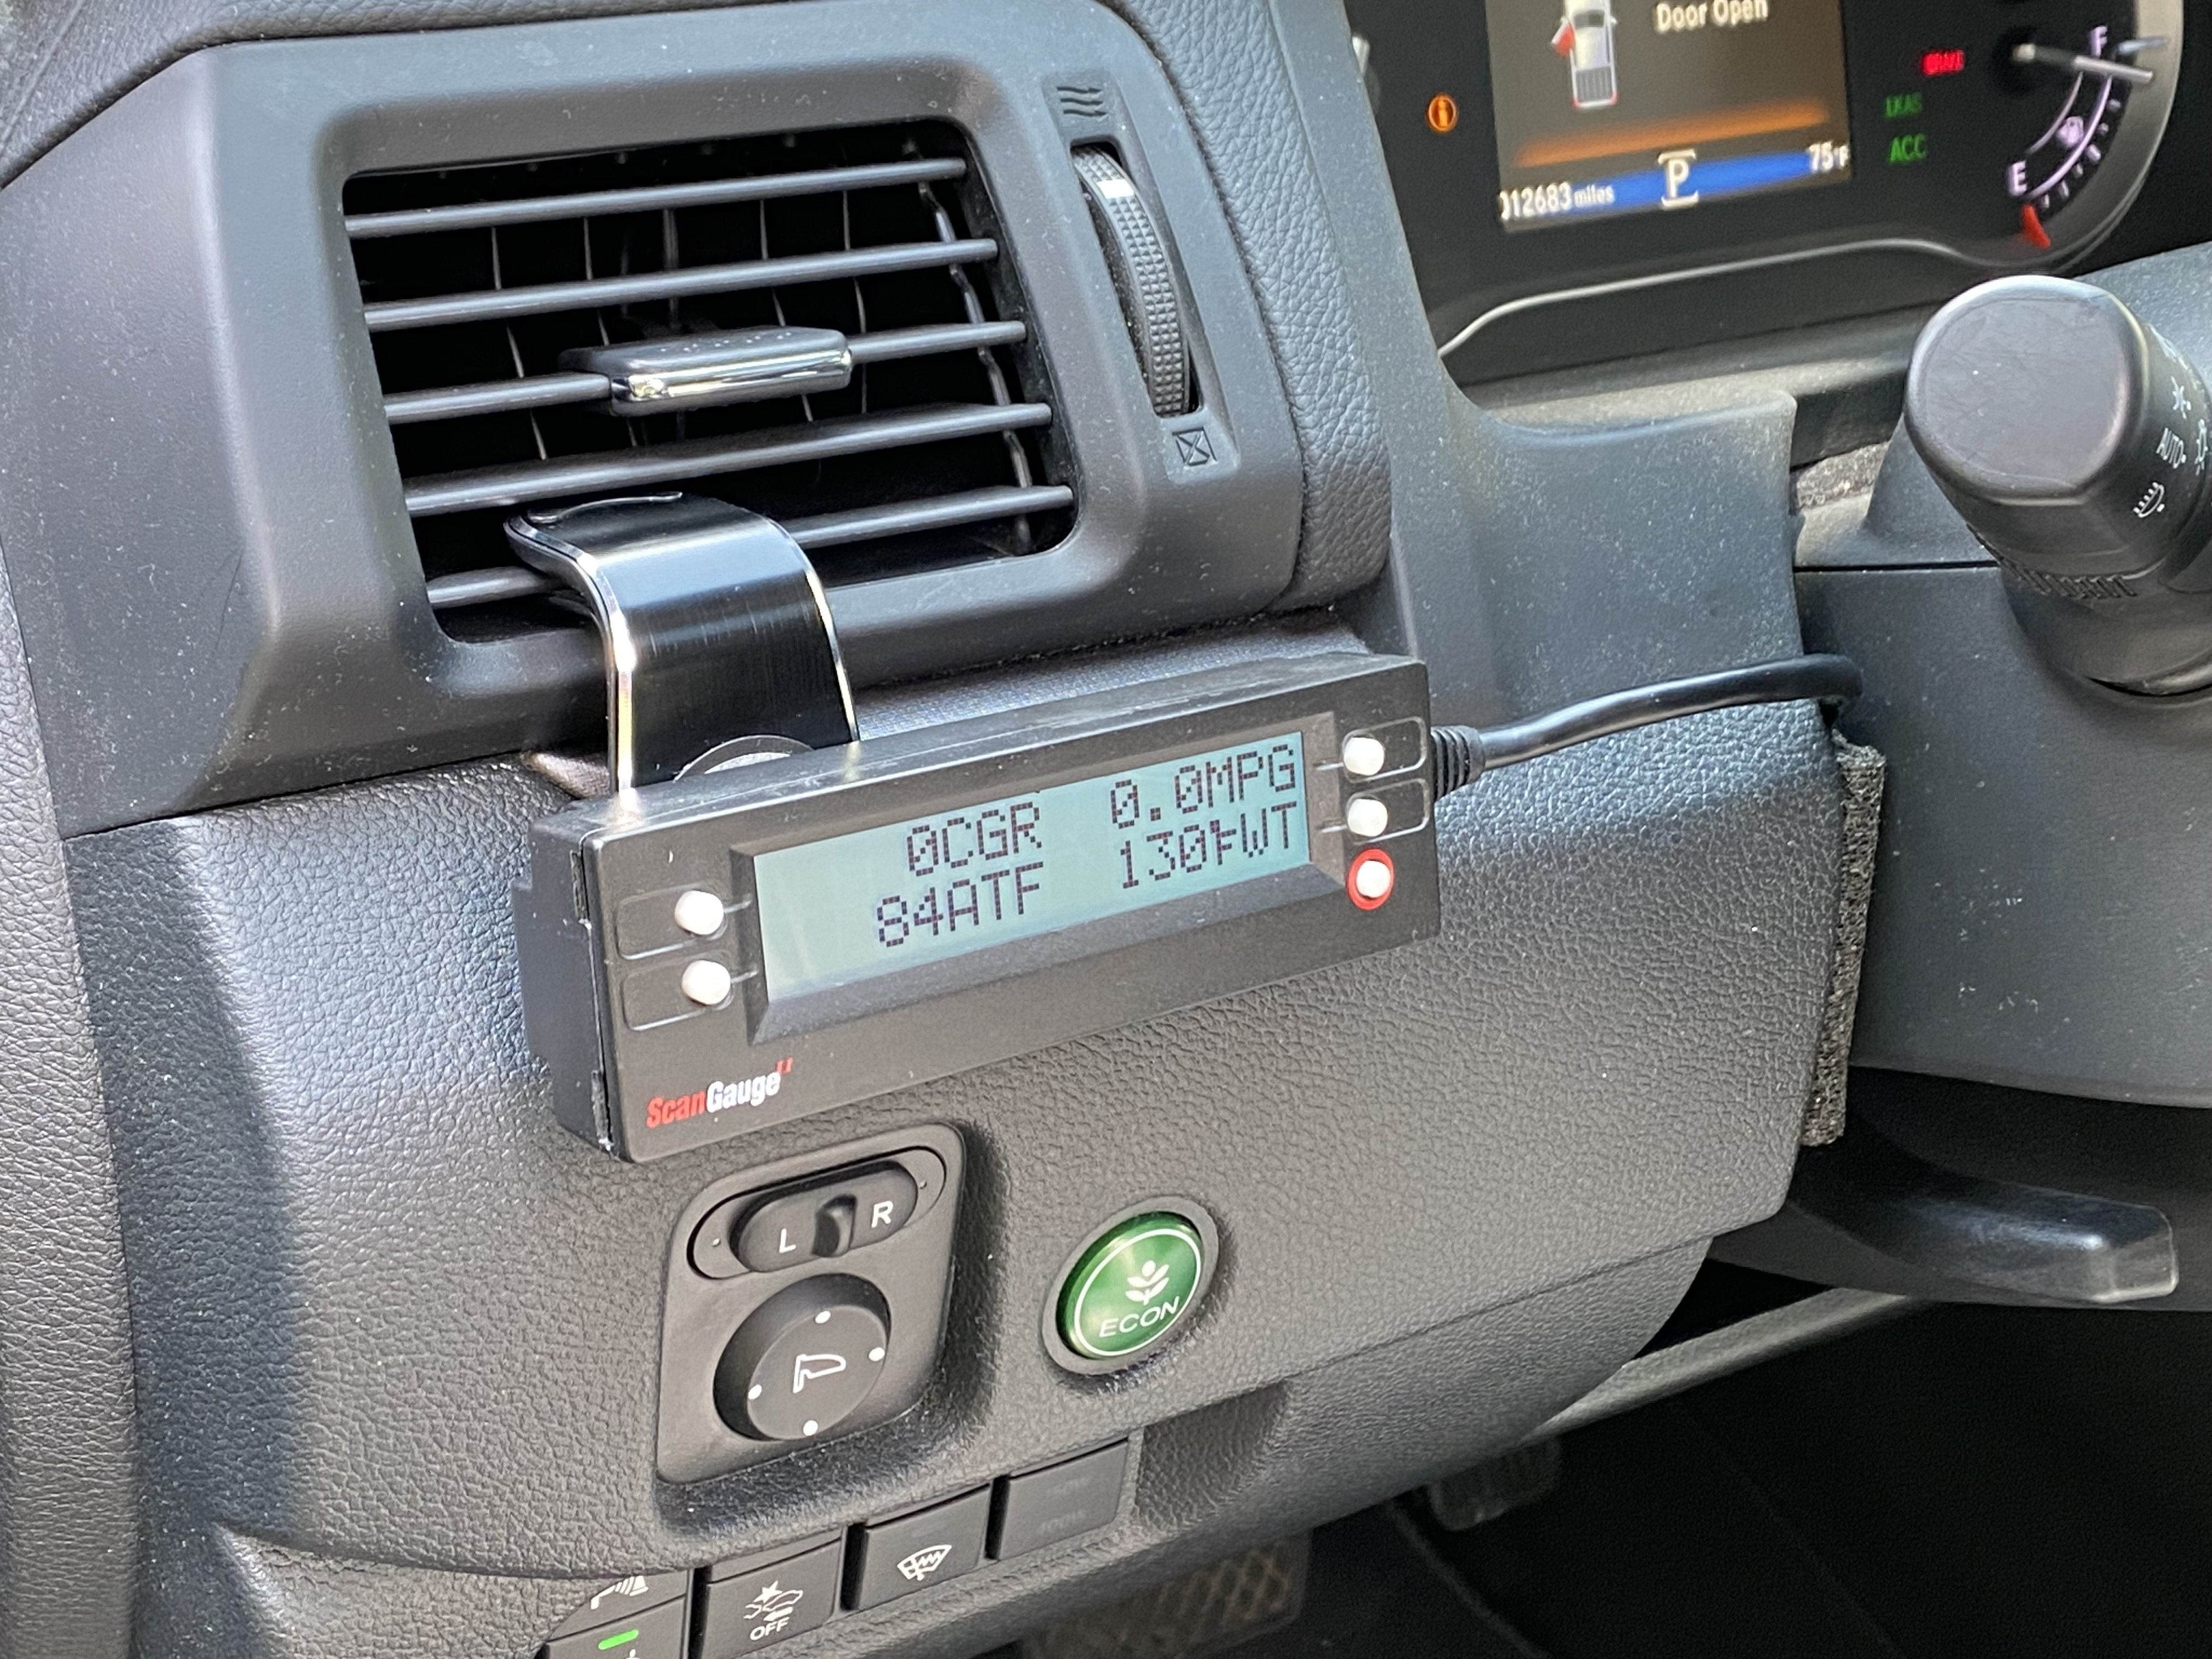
x=656, y=1633
x=787, y=1230
x=896, y=1558
x=883, y=1202
x=827, y=1219
x=806, y=1359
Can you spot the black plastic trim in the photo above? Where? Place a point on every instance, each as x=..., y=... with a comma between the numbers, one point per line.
x=229, y=604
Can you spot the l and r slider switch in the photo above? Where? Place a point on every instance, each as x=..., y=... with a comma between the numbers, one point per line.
x=827, y=1220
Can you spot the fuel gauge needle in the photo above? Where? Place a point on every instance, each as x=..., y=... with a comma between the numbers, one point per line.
x=2075, y=62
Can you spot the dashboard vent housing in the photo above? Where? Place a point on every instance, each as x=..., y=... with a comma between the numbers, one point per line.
x=476, y=281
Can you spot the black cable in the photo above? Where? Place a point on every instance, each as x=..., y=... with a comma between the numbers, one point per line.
x=1464, y=753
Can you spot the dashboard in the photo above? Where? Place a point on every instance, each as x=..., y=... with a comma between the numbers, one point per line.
x=761, y=789
x=1589, y=182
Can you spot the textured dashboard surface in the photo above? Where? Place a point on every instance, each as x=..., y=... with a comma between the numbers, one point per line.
x=388, y=1310
x=397, y=1333
x=1226, y=62
x=68, y=1497
x=2043, y=914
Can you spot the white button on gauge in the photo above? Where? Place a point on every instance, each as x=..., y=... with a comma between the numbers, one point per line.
x=699, y=912
x=1373, y=881
x=1364, y=757
x=1366, y=817
x=706, y=983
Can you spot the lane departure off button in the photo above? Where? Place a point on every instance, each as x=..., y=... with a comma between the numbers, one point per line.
x=766, y=1605
x=1133, y=1287
x=897, y=1558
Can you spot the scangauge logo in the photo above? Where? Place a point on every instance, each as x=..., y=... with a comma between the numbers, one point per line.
x=718, y=1096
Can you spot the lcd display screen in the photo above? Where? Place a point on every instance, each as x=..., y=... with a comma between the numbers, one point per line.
x=876, y=901
x=1611, y=107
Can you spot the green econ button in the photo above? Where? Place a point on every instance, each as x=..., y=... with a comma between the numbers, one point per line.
x=1131, y=1288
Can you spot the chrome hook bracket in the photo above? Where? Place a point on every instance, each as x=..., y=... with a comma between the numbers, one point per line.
x=714, y=624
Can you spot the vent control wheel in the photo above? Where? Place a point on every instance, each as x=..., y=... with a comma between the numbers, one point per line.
x=1144, y=279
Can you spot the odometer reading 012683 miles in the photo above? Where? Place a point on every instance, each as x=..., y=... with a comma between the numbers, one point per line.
x=876, y=901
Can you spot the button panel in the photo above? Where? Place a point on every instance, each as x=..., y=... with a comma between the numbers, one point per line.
x=750, y=1367
x=755, y=1601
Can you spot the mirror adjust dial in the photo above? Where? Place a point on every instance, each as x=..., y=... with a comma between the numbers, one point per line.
x=806, y=1360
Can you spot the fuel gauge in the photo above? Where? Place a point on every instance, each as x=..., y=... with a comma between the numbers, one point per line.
x=2089, y=82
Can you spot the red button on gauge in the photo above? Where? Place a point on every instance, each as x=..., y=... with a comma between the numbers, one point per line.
x=1370, y=879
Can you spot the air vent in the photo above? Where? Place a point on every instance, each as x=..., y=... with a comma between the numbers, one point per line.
x=493, y=295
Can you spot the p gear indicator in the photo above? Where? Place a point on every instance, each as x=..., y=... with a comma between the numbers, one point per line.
x=918, y=904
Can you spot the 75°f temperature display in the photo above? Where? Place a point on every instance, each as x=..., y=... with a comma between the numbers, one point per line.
x=904, y=894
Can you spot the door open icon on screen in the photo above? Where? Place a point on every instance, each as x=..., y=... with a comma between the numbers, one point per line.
x=1584, y=39
x=812, y=1368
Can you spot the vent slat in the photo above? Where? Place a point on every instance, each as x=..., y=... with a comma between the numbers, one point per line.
x=512, y=582
x=510, y=486
x=539, y=210
x=868, y=524
x=889, y=344
x=493, y=305
x=551, y=391
x=495, y=398
x=500, y=294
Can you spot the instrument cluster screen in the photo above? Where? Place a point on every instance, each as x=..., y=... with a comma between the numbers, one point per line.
x=1614, y=107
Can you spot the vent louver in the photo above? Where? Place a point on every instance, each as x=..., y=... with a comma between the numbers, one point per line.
x=478, y=282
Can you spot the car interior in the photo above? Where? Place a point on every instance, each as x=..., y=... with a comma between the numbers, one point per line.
x=1105, y=829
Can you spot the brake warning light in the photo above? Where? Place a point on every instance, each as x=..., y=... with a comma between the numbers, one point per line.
x=1933, y=64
